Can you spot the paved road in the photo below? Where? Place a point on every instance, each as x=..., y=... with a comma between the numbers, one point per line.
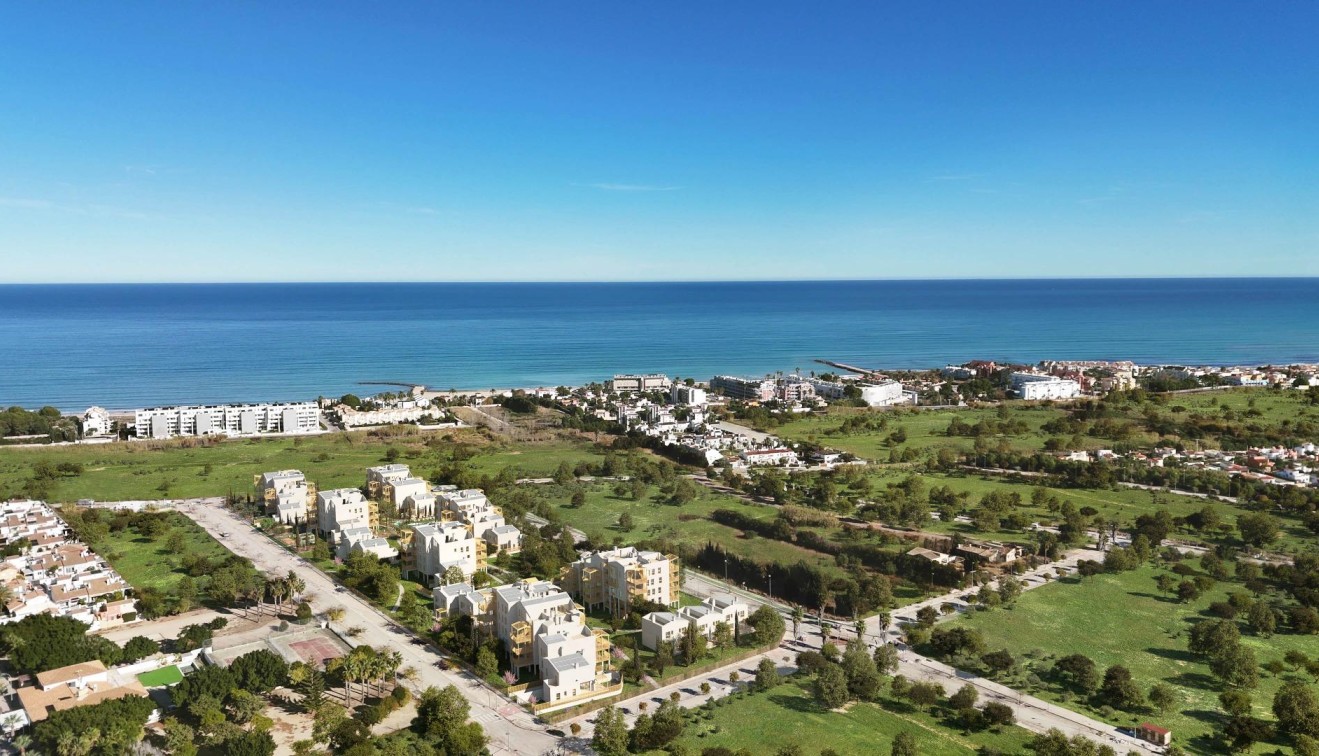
x=511, y=728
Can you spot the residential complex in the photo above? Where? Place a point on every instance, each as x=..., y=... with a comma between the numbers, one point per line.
x=95, y=422
x=55, y=573
x=545, y=634
x=341, y=509
x=289, y=496
x=436, y=546
x=1036, y=386
x=881, y=394
x=483, y=518
x=638, y=383
x=618, y=579
x=749, y=389
x=228, y=419
x=668, y=627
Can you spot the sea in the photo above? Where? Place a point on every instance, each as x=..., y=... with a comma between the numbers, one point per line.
x=128, y=346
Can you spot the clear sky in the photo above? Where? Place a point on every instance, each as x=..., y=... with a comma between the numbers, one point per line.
x=186, y=141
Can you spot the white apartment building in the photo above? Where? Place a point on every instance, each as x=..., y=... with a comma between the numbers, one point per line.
x=401, y=490
x=340, y=509
x=228, y=419
x=659, y=627
x=546, y=632
x=485, y=520
x=418, y=507
x=288, y=495
x=638, y=383
x=95, y=422
x=684, y=394
x=1039, y=387
x=757, y=457
x=437, y=546
x=363, y=540
x=616, y=579
x=749, y=389
x=379, y=479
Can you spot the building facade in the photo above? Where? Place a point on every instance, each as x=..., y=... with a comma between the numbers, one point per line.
x=228, y=419
x=615, y=580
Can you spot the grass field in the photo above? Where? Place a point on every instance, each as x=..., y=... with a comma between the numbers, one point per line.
x=690, y=523
x=788, y=715
x=180, y=469
x=146, y=562
x=1126, y=622
x=158, y=677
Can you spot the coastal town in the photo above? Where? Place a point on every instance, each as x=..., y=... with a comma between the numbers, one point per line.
x=445, y=562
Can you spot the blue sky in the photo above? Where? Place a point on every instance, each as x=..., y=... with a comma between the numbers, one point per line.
x=657, y=141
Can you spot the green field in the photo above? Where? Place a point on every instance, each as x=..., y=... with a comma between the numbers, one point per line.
x=163, y=676
x=185, y=469
x=1127, y=622
x=146, y=562
x=788, y=715
x=652, y=518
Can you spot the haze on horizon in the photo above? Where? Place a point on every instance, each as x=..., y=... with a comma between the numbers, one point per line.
x=613, y=141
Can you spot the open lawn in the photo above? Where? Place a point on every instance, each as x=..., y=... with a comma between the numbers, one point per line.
x=184, y=468
x=788, y=715
x=147, y=562
x=924, y=429
x=653, y=518
x=1122, y=619
x=159, y=677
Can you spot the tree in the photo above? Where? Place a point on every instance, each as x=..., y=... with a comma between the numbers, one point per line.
x=1236, y=667
x=179, y=738
x=251, y=743
x=139, y=647
x=886, y=658
x=1262, y=619
x=453, y=576
x=769, y=625
x=830, y=687
x=42, y=642
x=723, y=635
x=487, y=665
x=1119, y=689
x=767, y=675
x=663, y=657
x=1209, y=638
x=692, y=644
x=259, y=671
x=999, y=661
x=904, y=744
x=1078, y=671
x=924, y=694
x=610, y=738
x=442, y=718
x=1009, y=589
x=1297, y=709
x=1235, y=702
x=999, y=714
x=1258, y=529
x=1165, y=583
x=863, y=678
x=625, y=521
x=1163, y=698
x=964, y=698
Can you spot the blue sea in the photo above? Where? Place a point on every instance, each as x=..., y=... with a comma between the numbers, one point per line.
x=125, y=346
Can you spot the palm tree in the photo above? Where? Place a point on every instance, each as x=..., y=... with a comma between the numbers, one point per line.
x=6, y=594
x=22, y=742
x=278, y=588
x=295, y=583
x=860, y=627
x=334, y=614
x=797, y=615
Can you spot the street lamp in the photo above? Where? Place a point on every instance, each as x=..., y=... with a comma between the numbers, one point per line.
x=725, y=569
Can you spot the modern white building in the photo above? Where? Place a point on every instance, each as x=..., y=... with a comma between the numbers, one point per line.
x=483, y=518
x=882, y=394
x=616, y=579
x=1039, y=387
x=639, y=383
x=95, y=422
x=684, y=394
x=545, y=632
x=380, y=479
x=288, y=495
x=228, y=419
x=340, y=509
x=757, y=457
x=363, y=540
x=749, y=389
x=659, y=627
x=437, y=546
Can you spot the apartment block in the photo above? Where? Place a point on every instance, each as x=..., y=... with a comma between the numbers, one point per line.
x=615, y=580
x=288, y=495
x=340, y=509
x=437, y=546
x=622, y=384
x=659, y=627
x=747, y=389
x=483, y=518
x=1039, y=387
x=228, y=419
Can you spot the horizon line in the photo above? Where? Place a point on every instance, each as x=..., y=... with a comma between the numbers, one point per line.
x=630, y=281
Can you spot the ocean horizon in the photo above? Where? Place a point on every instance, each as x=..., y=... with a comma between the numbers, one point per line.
x=132, y=345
